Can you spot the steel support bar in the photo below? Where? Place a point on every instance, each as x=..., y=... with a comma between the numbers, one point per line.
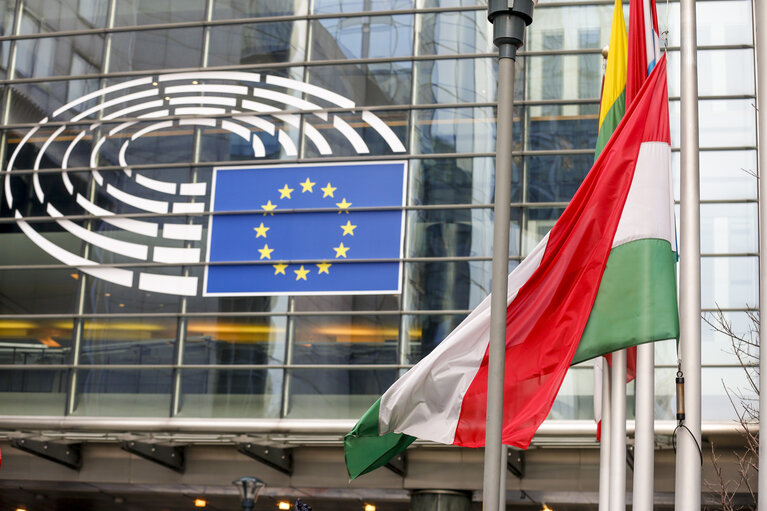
x=760, y=20
x=688, y=469
x=277, y=458
x=515, y=462
x=618, y=432
x=644, y=429
x=68, y=455
x=169, y=456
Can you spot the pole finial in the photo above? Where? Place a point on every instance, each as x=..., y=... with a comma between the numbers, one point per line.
x=509, y=19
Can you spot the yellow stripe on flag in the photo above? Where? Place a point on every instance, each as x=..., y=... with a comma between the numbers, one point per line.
x=617, y=60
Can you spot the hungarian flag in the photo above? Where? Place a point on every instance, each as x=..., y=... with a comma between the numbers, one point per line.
x=620, y=217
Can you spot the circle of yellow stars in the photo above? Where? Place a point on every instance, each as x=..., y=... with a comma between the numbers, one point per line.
x=285, y=193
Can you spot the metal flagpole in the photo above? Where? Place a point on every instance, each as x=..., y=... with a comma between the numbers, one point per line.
x=760, y=19
x=509, y=19
x=688, y=456
x=644, y=430
x=618, y=432
x=604, y=445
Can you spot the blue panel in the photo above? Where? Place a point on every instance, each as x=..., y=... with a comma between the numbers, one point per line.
x=308, y=223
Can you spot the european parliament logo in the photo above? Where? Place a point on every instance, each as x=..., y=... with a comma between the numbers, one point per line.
x=307, y=229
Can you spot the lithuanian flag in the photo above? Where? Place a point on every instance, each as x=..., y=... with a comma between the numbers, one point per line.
x=613, y=104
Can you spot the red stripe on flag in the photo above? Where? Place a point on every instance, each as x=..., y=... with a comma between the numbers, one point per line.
x=547, y=318
x=636, y=72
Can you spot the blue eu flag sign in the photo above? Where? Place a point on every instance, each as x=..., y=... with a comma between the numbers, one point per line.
x=310, y=229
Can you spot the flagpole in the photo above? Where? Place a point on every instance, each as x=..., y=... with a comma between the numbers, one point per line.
x=604, y=443
x=760, y=19
x=509, y=20
x=688, y=456
x=618, y=432
x=644, y=430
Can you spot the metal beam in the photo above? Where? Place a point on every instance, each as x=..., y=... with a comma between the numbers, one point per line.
x=169, y=456
x=515, y=462
x=398, y=464
x=277, y=458
x=68, y=455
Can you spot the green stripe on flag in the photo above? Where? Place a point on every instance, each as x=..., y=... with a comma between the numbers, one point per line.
x=365, y=450
x=611, y=121
x=636, y=302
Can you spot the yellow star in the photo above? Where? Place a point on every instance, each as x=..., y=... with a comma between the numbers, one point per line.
x=266, y=252
x=268, y=208
x=307, y=186
x=328, y=191
x=279, y=268
x=341, y=250
x=261, y=230
x=285, y=192
x=301, y=273
x=324, y=267
x=348, y=228
x=343, y=204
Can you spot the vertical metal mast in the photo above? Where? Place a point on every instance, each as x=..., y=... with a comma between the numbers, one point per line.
x=688, y=469
x=618, y=432
x=760, y=19
x=509, y=19
x=644, y=430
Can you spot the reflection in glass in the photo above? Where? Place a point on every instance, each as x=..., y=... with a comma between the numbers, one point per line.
x=729, y=282
x=57, y=56
x=340, y=145
x=241, y=393
x=556, y=178
x=36, y=291
x=447, y=33
x=257, y=43
x=538, y=222
x=718, y=22
x=148, y=12
x=723, y=123
x=723, y=175
x=436, y=286
x=719, y=348
x=345, y=339
x=117, y=392
x=423, y=333
x=238, y=9
x=720, y=72
x=26, y=341
x=362, y=37
x=457, y=81
x=333, y=6
x=457, y=130
x=572, y=21
x=726, y=391
x=135, y=340
x=156, y=49
x=33, y=392
x=563, y=132
x=45, y=16
x=335, y=393
x=248, y=340
x=576, y=396
x=384, y=83
x=728, y=228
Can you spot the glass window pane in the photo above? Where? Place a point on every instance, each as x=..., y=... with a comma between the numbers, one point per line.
x=327, y=139
x=33, y=392
x=575, y=400
x=362, y=37
x=424, y=332
x=537, y=223
x=729, y=282
x=333, y=6
x=346, y=339
x=36, y=291
x=723, y=123
x=254, y=340
x=156, y=49
x=437, y=285
x=238, y=9
x=257, y=43
x=145, y=393
x=56, y=56
x=728, y=228
x=457, y=130
x=571, y=22
x=35, y=341
x=723, y=175
x=726, y=391
x=724, y=335
x=379, y=83
x=562, y=132
x=335, y=393
x=720, y=72
x=723, y=22
x=556, y=178
x=148, y=12
x=447, y=33
x=44, y=16
x=458, y=181
x=243, y=393
x=457, y=81
x=134, y=340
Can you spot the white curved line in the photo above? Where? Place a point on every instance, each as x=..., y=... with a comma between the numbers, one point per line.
x=351, y=135
x=40, y=153
x=94, y=152
x=316, y=137
x=188, y=207
x=175, y=255
x=124, y=248
x=239, y=90
x=129, y=224
x=202, y=100
x=287, y=143
x=259, y=107
x=152, y=127
x=156, y=185
x=258, y=123
x=121, y=127
x=7, y=185
x=191, y=232
x=242, y=131
x=137, y=202
x=116, y=101
x=100, y=92
x=385, y=131
x=199, y=110
x=199, y=121
x=259, y=150
x=156, y=113
x=134, y=108
x=170, y=284
x=289, y=100
x=121, y=159
x=196, y=189
x=67, y=183
x=65, y=161
x=217, y=75
x=325, y=94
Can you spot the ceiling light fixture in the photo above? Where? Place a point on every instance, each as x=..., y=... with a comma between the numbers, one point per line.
x=200, y=503
x=369, y=507
x=283, y=504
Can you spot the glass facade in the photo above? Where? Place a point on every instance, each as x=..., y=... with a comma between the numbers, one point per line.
x=115, y=116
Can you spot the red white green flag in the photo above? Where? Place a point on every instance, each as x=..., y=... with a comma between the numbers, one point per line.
x=623, y=210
